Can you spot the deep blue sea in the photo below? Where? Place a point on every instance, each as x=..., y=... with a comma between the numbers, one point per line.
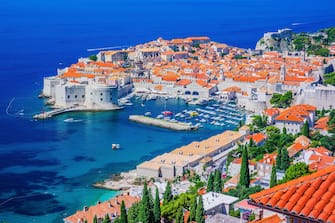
x=47, y=167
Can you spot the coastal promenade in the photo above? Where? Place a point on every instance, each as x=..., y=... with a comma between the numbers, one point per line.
x=179, y=126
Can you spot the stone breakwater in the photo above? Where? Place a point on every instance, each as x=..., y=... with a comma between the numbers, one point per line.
x=179, y=126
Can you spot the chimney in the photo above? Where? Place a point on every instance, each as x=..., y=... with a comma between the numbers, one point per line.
x=261, y=214
x=85, y=208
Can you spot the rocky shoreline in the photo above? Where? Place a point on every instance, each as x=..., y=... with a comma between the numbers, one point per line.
x=123, y=182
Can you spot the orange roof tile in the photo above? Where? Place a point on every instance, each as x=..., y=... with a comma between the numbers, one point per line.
x=257, y=138
x=270, y=219
x=309, y=204
x=322, y=123
x=111, y=207
x=184, y=82
x=272, y=111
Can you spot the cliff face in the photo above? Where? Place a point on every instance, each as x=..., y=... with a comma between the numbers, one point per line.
x=279, y=41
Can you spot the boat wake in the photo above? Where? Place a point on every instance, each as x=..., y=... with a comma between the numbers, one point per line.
x=71, y=120
x=297, y=24
x=107, y=48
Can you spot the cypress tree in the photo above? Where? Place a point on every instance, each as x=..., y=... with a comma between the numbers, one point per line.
x=284, y=131
x=200, y=215
x=251, y=142
x=167, y=194
x=210, y=183
x=123, y=216
x=278, y=159
x=180, y=216
x=151, y=199
x=157, y=208
x=244, y=172
x=305, y=129
x=217, y=181
x=107, y=219
x=133, y=213
x=95, y=219
x=145, y=214
x=273, y=180
x=193, y=208
x=285, y=159
x=117, y=220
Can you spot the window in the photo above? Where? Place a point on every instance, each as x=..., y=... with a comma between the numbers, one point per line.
x=101, y=94
x=68, y=96
x=101, y=99
x=75, y=96
x=111, y=99
x=83, y=96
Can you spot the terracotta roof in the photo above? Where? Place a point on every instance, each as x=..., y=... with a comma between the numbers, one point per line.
x=111, y=207
x=272, y=111
x=310, y=197
x=322, y=123
x=270, y=219
x=184, y=82
x=257, y=138
x=296, y=113
x=295, y=148
x=269, y=158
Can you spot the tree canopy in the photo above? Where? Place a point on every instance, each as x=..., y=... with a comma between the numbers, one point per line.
x=329, y=78
x=295, y=171
x=93, y=57
x=282, y=100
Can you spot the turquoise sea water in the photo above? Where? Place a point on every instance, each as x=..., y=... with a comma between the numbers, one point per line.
x=47, y=167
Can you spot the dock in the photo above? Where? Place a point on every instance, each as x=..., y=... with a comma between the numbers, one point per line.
x=178, y=126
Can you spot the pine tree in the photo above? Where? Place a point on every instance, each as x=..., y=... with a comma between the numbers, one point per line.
x=305, y=129
x=273, y=180
x=95, y=219
x=200, y=215
x=244, y=172
x=180, y=216
x=193, y=208
x=285, y=159
x=145, y=214
x=167, y=194
x=157, y=208
x=123, y=216
x=217, y=181
x=278, y=159
x=210, y=183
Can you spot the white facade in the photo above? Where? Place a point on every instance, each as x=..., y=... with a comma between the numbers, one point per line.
x=69, y=95
x=93, y=94
x=49, y=84
x=291, y=127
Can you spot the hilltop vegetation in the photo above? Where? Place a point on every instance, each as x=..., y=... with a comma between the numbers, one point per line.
x=313, y=43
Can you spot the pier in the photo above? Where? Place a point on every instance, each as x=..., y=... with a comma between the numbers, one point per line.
x=58, y=111
x=179, y=126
